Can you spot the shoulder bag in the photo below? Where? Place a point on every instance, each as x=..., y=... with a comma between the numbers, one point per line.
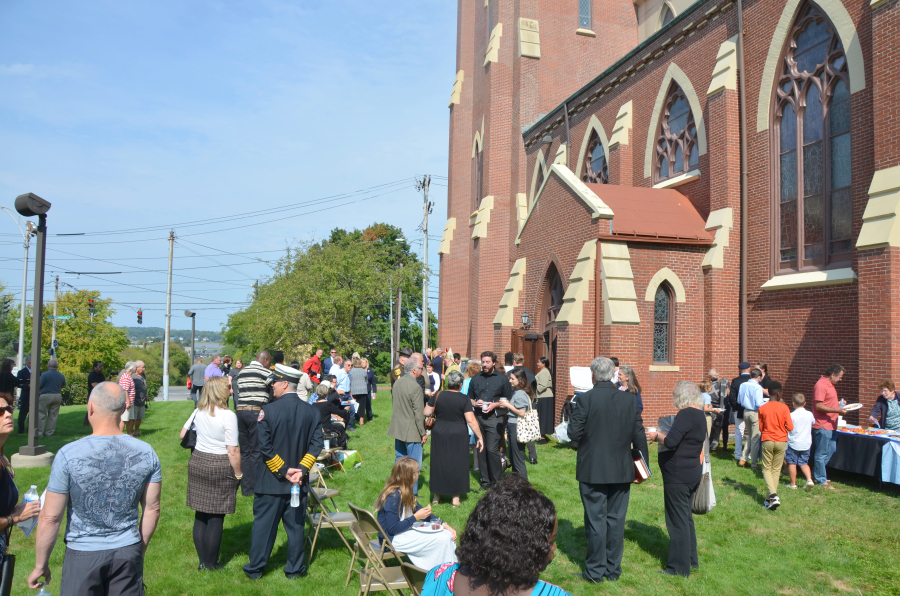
x=528, y=427
x=189, y=440
x=7, y=568
x=705, y=497
x=429, y=420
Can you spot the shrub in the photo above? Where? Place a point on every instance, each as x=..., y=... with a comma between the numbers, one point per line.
x=75, y=393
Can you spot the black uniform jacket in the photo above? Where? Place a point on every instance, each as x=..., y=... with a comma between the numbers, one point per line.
x=290, y=436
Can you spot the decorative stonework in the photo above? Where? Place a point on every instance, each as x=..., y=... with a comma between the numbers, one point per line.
x=482, y=217
x=562, y=155
x=493, y=49
x=617, y=279
x=721, y=221
x=572, y=310
x=665, y=274
x=725, y=70
x=598, y=208
x=521, y=209
x=881, y=219
x=593, y=126
x=447, y=236
x=811, y=279
x=510, y=299
x=457, y=88
x=842, y=22
x=529, y=38
x=622, y=126
x=674, y=73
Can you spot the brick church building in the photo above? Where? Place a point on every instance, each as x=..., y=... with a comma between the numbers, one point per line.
x=682, y=185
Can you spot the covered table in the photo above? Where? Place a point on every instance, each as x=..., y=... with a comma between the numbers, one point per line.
x=875, y=456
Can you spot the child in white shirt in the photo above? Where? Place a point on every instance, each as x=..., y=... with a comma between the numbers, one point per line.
x=800, y=441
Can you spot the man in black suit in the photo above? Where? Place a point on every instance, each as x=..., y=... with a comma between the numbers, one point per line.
x=606, y=423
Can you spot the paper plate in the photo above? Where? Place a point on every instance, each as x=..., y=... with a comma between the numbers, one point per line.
x=852, y=407
x=427, y=527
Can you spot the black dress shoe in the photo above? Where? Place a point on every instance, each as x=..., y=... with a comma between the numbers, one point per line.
x=201, y=567
x=533, y=461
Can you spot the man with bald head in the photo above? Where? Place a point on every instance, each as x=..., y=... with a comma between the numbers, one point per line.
x=253, y=394
x=101, y=479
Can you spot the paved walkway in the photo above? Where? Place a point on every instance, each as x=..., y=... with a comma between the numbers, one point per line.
x=177, y=393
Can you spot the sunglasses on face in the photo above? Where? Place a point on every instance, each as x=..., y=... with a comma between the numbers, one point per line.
x=6, y=409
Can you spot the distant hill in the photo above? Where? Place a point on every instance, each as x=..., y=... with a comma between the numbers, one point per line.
x=140, y=334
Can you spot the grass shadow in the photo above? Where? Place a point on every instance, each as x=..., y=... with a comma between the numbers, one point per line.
x=651, y=539
x=235, y=541
x=748, y=489
x=571, y=541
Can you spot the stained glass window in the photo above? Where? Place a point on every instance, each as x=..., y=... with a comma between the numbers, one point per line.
x=676, y=146
x=584, y=14
x=661, y=325
x=812, y=120
x=596, y=170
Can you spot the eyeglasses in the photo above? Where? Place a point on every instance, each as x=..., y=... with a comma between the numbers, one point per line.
x=7, y=409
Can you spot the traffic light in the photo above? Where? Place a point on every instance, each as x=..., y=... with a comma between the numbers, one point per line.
x=7, y=302
x=140, y=317
x=91, y=306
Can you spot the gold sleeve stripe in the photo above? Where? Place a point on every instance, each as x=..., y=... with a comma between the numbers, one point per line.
x=308, y=461
x=275, y=463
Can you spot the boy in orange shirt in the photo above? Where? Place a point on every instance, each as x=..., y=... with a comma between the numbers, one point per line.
x=775, y=423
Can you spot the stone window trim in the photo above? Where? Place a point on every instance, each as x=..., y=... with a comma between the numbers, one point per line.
x=595, y=159
x=669, y=144
x=666, y=15
x=795, y=99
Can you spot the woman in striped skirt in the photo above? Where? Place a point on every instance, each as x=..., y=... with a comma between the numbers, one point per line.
x=214, y=470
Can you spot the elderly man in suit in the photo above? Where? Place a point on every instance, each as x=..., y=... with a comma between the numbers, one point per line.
x=606, y=423
x=408, y=418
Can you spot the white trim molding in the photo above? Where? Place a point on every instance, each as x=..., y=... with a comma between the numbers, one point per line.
x=572, y=310
x=721, y=220
x=881, y=219
x=665, y=274
x=811, y=279
x=457, y=88
x=493, y=49
x=510, y=299
x=447, y=236
x=482, y=217
x=679, y=180
x=593, y=126
x=664, y=368
x=618, y=295
x=622, y=126
x=529, y=38
x=725, y=70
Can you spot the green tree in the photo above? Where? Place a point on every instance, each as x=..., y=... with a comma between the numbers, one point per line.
x=83, y=338
x=335, y=293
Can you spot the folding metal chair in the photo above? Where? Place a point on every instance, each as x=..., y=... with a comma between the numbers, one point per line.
x=370, y=527
x=320, y=518
x=317, y=485
x=374, y=576
x=415, y=577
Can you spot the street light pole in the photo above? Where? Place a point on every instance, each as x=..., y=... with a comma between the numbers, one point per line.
x=30, y=205
x=193, y=317
x=53, y=337
x=26, y=236
x=168, y=320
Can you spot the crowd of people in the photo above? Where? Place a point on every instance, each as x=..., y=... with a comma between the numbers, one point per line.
x=283, y=415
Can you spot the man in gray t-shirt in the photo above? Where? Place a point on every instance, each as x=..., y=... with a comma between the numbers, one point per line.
x=100, y=481
x=198, y=379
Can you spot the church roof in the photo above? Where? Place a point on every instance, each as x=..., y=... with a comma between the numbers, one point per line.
x=652, y=215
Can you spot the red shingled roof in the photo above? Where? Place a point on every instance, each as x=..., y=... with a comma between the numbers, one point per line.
x=652, y=215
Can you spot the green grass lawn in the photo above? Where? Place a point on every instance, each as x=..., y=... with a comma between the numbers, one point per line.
x=816, y=543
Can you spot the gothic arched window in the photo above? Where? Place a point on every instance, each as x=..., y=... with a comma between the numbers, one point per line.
x=479, y=177
x=663, y=327
x=811, y=136
x=676, y=146
x=596, y=170
x=666, y=16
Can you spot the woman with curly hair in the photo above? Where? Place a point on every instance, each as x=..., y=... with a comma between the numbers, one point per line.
x=512, y=512
x=398, y=511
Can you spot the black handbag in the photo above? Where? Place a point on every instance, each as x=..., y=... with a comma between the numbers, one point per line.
x=189, y=440
x=7, y=569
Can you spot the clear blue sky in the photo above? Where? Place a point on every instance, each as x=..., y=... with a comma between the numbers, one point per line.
x=155, y=114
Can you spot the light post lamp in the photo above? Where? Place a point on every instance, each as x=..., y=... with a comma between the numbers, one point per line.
x=29, y=205
x=193, y=317
x=26, y=236
x=526, y=320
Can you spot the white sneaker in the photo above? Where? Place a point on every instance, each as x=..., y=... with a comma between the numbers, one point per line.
x=809, y=485
x=793, y=487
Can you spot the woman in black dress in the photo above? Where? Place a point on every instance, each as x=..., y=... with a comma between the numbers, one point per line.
x=450, y=439
x=8, y=381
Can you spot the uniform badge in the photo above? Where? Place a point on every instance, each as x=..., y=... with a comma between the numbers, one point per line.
x=261, y=416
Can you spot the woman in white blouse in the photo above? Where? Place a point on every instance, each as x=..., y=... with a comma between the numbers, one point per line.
x=214, y=470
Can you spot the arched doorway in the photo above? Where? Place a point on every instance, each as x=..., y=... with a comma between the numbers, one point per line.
x=551, y=304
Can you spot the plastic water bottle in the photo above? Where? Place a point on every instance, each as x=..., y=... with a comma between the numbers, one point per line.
x=44, y=591
x=32, y=494
x=295, y=495
x=28, y=525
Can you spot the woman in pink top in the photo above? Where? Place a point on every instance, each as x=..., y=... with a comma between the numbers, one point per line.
x=127, y=383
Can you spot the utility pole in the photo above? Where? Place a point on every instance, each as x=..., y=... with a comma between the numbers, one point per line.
x=53, y=336
x=168, y=320
x=391, y=321
x=21, y=354
x=397, y=317
x=423, y=186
